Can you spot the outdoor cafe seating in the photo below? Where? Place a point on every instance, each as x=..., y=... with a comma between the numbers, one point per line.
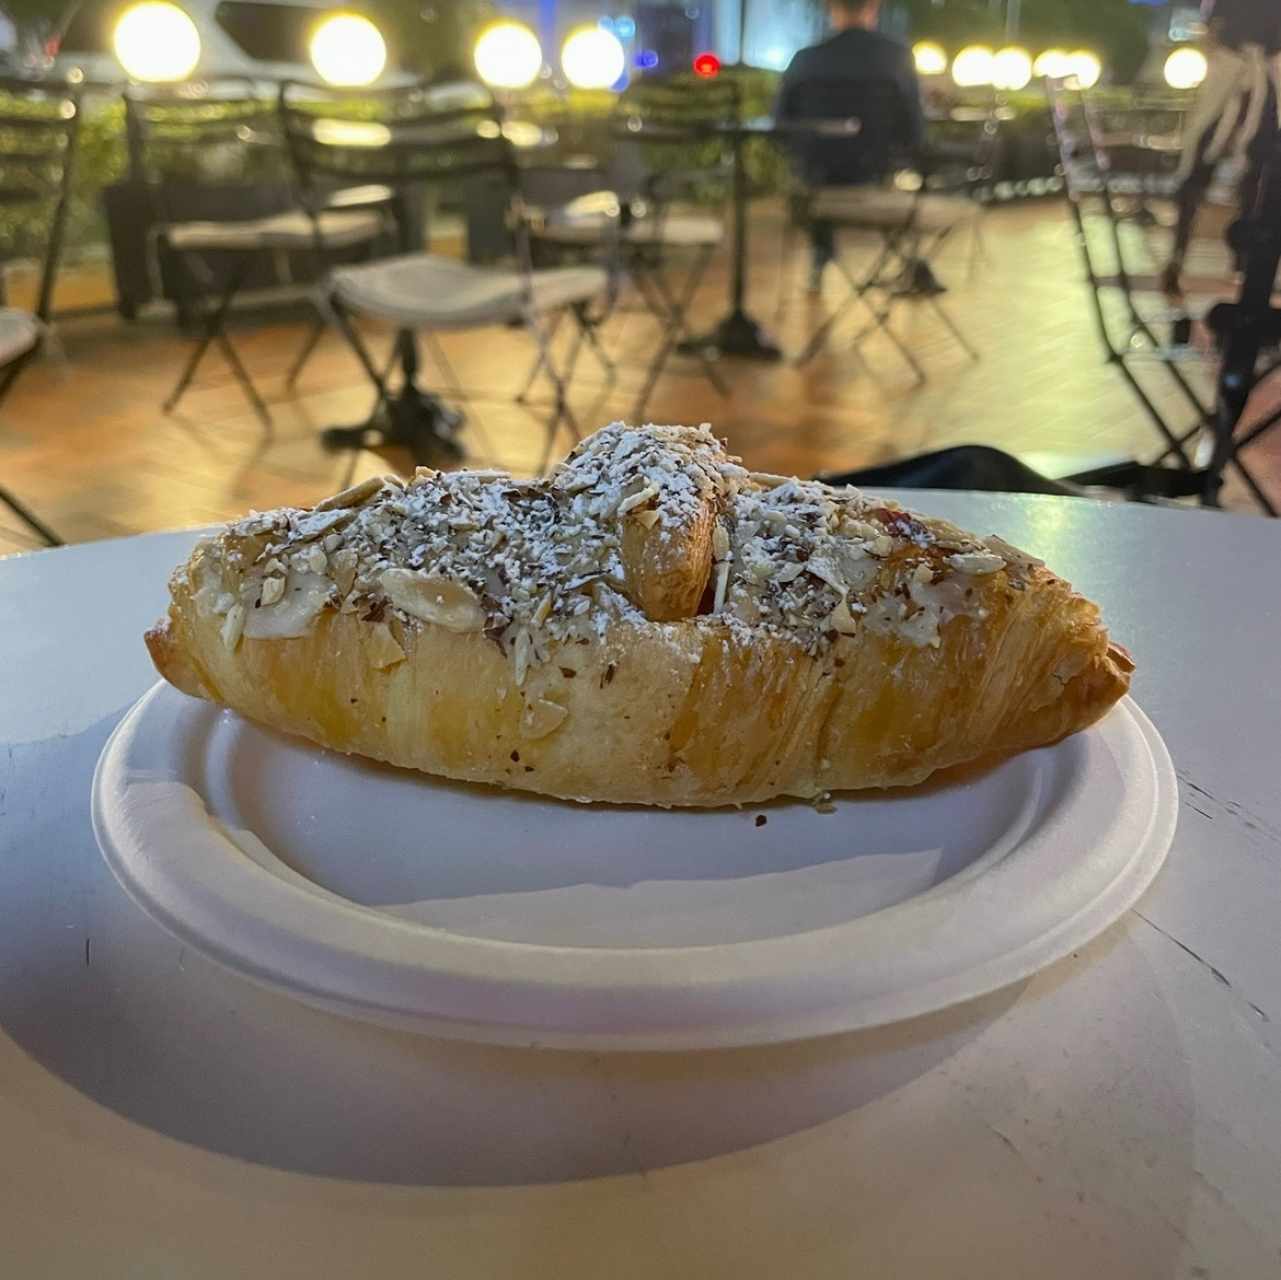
x=622, y=659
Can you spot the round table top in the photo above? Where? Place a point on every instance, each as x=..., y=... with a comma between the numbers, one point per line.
x=1118, y=1115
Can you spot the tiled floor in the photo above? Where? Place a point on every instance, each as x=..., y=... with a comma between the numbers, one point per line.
x=84, y=441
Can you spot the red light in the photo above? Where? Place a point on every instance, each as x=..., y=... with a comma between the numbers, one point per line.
x=707, y=65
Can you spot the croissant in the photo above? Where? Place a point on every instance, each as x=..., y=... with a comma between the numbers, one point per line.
x=652, y=624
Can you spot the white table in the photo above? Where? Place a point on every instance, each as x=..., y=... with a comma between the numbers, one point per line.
x=1118, y=1116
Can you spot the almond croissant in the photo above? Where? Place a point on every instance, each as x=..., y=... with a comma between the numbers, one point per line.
x=652, y=624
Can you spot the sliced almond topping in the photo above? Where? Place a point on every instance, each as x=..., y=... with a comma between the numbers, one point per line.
x=272, y=590
x=304, y=597
x=543, y=610
x=638, y=499
x=383, y=650
x=233, y=627
x=1013, y=555
x=542, y=718
x=826, y=570
x=720, y=542
x=648, y=518
x=356, y=496
x=842, y=620
x=520, y=655
x=722, y=585
x=317, y=560
x=342, y=567
x=319, y=524
x=977, y=564
x=441, y=601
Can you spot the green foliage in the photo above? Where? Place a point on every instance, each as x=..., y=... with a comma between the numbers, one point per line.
x=99, y=160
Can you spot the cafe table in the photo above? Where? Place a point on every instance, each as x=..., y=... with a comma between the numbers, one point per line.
x=738, y=333
x=1117, y=1115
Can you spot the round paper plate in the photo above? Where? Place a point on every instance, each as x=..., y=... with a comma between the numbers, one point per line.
x=480, y=914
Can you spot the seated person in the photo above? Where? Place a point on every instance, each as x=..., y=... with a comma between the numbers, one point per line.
x=1235, y=115
x=858, y=73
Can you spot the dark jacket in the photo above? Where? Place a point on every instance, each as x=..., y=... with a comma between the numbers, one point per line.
x=859, y=74
x=1240, y=22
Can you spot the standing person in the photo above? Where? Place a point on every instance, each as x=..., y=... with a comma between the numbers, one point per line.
x=859, y=72
x=1235, y=114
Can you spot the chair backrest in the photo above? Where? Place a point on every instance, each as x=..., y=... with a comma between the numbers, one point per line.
x=1130, y=161
x=39, y=125
x=412, y=136
x=201, y=131
x=880, y=145
x=964, y=150
x=199, y=147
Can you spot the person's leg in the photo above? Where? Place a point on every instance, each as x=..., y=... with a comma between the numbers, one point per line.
x=822, y=251
x=1189, y=199
x=1260, y=148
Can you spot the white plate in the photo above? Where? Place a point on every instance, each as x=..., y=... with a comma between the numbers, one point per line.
x=486, y=915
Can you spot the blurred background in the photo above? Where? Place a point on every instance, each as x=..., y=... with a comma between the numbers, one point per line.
x=253, y=249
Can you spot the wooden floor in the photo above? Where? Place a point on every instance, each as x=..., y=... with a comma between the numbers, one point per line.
x=83, y=439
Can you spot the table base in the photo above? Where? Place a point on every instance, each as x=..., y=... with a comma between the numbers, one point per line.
x=737, y=335
x=412, y=419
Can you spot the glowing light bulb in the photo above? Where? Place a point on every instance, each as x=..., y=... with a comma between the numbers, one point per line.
x=1012, y=69
x=1185, y=68
x=592, y=58
x=156, y=41
x=973, y=67
x=508, y=56
x=348, y=50
x=930, y=58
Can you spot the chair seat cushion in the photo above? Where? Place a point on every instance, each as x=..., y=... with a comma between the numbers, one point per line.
x=422, y=290
x=677, y=230
x=887, y=209
x=19, y=332
x=340, y=228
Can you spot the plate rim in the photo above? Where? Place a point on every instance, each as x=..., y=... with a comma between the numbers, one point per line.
x=686, y=974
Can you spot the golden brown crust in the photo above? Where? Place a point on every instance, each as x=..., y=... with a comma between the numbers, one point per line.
x=667, y=570
x=702, y=721
x=946, y=659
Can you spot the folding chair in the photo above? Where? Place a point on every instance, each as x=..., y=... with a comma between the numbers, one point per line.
x=963, y=152
x=1246, y=325
x=186, y=138
x=408, y=139
x=38, y=132
x=1111, y=178
x=663, y=149
x=911, y=224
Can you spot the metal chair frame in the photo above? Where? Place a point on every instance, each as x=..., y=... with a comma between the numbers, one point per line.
x=663, y=114
x=416, y=138
x=902, y=248
x=1139, y=346
x=39, y=128
x=165, y=127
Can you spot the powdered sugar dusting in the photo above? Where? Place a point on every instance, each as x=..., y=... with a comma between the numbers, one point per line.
x=539, y=564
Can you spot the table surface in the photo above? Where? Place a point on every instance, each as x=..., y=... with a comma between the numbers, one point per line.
x=1118, y=1115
